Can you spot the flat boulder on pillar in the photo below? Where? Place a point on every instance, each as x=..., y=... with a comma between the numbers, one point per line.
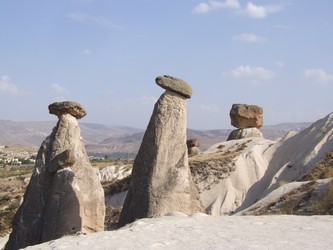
x=246, y=116
x=174, y=84
x=67, y=107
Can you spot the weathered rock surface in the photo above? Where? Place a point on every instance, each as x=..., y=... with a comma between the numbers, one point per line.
x=193, y=147
x=193, y=151
x=246, y=116
x=193, y=143
x=73, y=108
x=244, y=133
x=174, y=84
x=161, y=179
x=64, y=195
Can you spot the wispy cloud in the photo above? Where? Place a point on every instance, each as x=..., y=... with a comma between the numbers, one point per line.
x=206, y=7
x=87, y=18
x=317, y=76
x=249, y=38
x=261, y=11
x=59, y=93
x=251, y=75
x=7, y=87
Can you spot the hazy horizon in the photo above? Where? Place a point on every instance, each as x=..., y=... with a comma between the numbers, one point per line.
x=230, y=127
x=107, y=54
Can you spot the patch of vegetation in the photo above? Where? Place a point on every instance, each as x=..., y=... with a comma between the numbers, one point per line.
x=8, y=208
x=323, y=169
x=294, y=202
x=110, y=188
x=212, y=167
x=13, y=182
x=324, y=205
x=111, y=217
x=13, y=171
x=116, y=186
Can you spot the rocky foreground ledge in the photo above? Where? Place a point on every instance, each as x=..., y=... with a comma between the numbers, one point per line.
x=208, y=232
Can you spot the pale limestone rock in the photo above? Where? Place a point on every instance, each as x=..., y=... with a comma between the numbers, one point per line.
x=64, y=195
x=244, y=133
x=161, y=179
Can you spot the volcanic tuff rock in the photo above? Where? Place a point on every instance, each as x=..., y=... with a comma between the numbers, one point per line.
x=64, y=195
x=244, y=133
x=161, y=179
x=246, y=116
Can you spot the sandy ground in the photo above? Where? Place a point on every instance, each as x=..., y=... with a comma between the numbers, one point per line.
x=208, y=232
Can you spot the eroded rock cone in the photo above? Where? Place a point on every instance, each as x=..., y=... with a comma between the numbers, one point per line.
x=64, y=195
x=161, y=179
x=246, y=116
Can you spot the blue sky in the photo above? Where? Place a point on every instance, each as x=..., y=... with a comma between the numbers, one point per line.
x=106, y=54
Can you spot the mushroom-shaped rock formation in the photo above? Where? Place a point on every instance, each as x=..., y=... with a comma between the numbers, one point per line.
x=64, y=195
x=161, y=179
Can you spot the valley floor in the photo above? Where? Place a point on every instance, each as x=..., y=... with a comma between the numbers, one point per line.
x=207, y=232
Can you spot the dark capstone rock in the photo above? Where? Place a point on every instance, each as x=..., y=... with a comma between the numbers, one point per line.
x=174, y=84
x=73, y=108
x=193, y=143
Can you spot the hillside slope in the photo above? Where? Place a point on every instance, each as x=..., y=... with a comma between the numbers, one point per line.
x=261, y=166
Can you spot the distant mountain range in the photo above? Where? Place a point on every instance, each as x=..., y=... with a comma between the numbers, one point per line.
x=101, y=139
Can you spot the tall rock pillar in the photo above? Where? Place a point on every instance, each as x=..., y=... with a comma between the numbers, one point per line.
x=64, y=195
x=161, y=180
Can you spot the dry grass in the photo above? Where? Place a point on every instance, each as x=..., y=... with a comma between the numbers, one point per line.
x=298, y=201
x=325, y=203
x=212, y=167
x=111, y=217
x=11, y=193
x=13, y=171
x=323, y=169
x=110, y=188
x=294, y=202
